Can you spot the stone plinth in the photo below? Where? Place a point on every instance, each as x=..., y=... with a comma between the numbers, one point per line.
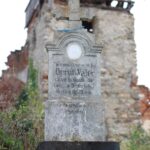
x=78, y=146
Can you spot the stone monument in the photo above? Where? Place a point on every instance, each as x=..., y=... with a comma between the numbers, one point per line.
x=74, y=111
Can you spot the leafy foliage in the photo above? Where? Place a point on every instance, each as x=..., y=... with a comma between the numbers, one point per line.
x=7, y=142
x=139, y=140
x=22, y=125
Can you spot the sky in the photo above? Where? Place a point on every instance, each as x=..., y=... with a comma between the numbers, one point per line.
x=142, y=32
x=12, y=28
x=13, y=33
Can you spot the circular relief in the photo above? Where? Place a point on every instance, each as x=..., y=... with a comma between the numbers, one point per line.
x=74, y=51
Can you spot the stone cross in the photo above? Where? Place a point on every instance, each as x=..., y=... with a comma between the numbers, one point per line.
x=74, y=10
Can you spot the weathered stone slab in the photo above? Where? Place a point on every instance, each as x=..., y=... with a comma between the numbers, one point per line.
x=79, y=78
x=74, y=121
x=75, y=110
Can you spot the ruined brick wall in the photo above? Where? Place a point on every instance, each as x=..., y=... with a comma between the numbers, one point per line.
x=10, y=88
x=145, y=107
x=14, y=78
x=114, y=30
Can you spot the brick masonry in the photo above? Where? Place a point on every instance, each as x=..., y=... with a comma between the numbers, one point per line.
x=14, y=78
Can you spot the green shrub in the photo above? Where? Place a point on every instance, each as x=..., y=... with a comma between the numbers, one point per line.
x=7, y=142
x=21, y=127
x=138, y=140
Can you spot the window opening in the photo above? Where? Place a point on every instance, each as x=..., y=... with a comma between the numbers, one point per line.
x=88, y=25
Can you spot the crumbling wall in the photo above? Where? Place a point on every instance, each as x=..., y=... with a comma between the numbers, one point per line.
x=39, y=33
x=114, y=30
x=145, y=107
x=14, y=78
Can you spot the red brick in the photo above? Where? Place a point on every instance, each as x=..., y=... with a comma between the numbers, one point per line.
x=10, y=86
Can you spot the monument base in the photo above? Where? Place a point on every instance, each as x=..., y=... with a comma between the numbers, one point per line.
x=78, y=146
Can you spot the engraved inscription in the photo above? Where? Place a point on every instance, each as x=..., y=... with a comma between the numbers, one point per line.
x=74, y=79
x=75, y=108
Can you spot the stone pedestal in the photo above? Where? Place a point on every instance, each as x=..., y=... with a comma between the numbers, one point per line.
x=78, y=146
